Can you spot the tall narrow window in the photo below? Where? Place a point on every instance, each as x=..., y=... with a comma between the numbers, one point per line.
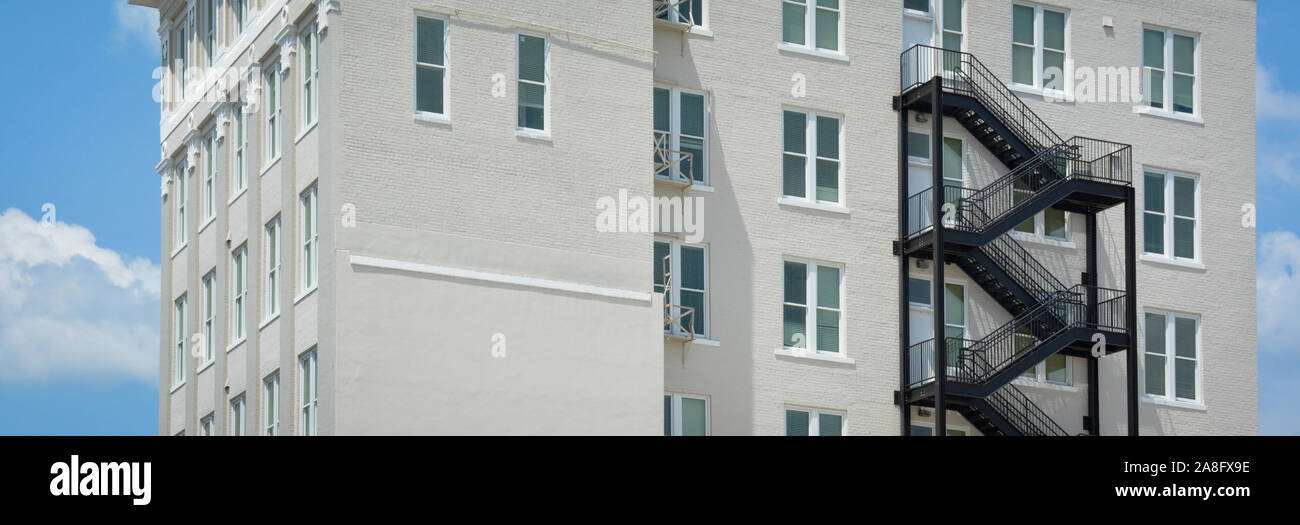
x=271, y=89
x=686, y=415
x=685, y=268
x=811, y=158
x=954, y=34
x=812, y=299
x=681, y=127
x=209, y=177
x=1169, y=66
x=178, y=355
x=307, y=379
x=813, y=422
x=239, y=292
x=1172, y=339
x=310, y=75
x=815, y=21
x=307, y=222
x=1038, y=46
x=533, y=84
x=209, y=291
x=180, y=60
x=431, y=65
x=238, y=170
x=271, y=284
x=205, y=426
x=1170, y=214
x=271, y=405
x=239, y=11
x=181, y=197
x=236, y=426
x=209, y=31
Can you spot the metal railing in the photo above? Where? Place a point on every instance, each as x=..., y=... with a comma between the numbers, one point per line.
x=679, y=320
x=1023, y=268
x=670, y=164
x=963, y=74
x=685, y=14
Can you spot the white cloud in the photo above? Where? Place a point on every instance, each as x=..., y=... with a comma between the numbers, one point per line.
x=136, y=23
x=72, y=310
x=1272, y=100
x=1277, y=288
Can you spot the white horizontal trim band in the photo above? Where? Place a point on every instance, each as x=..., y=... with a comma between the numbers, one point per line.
x=475, y=275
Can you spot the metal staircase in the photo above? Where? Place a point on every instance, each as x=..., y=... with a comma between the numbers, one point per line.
x=1080, y=175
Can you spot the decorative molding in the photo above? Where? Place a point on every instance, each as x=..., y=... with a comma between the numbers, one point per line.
x=287, y=39
x=323, y=10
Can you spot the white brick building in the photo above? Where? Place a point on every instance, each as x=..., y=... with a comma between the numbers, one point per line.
x=405, y=238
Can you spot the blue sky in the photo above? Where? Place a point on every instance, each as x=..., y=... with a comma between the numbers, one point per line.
x=79, y=300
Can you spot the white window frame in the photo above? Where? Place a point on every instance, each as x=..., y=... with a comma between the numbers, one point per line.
x=307, y=392
x=179, y=353
x=675, y=259
x=239, y=294
x=810, y=28
x=1171, y=391
x=1040, y=44
x=271, y=404
x=182, y=196
x=965, y=431
x=206, y=305
x=546, y=84
x=811, y=268
x=929, y=307
x=309, y=249
x=1040, y=372
x=273, y=97
x=811, y=157
x=209, y=17
x=309, y=89
x=445, y=68
x=677, y=412
x=272, y=250
x=209, y=165
x=674, y=17
x=675, y=131
x=814, y=419
x=239, y=153
x=1169, y=216
x=206, y=425
x=239, y=11
x=1168, y=70
x=238, y=417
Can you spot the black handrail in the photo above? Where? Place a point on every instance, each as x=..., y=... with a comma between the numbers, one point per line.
x=1014, y=406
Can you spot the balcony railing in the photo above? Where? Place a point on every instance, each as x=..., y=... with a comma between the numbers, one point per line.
x=672, y=165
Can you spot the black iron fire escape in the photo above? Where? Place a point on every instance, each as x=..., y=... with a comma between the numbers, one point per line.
x=968, y=227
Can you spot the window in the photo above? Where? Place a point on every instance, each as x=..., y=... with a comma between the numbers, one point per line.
x=209, y=282
x=178, y=356
x=205, y=425
x=810, y=165
x=1056, y=369
x=920, y=295
x=813, y=422
x=681, y=126
x=310, y=75
x=689, y=12
x=811, y=21
x=307, y=379
x=209, y=31
x=271, y=405
x=688, y=269
x=239, y=293
x=236, y=426
x=812, y=299
x=686, y=415
x=309, y=255
x=209, y=177
x=1047, y=224
x=1170, y=203
x=1038, y=46
x=180, y=58
x=271, y=89
x=272, y=265
x=431, y=65
x=1162, y=48
x=928, y=430
x=239, y=173
x=182, y=197
x=1172, y=337
x=533, y=93
x=239, y=8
